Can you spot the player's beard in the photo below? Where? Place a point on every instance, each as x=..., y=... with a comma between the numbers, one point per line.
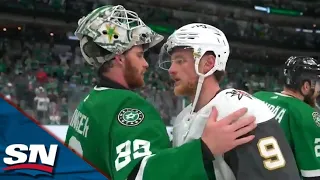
x=186, y=88
x=310, y=99
x=133, y=76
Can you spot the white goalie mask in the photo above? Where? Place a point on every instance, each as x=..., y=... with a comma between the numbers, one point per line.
x=114, y=29
x=201, y=38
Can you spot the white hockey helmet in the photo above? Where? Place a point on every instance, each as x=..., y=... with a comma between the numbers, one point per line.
x=114, y=29
x=201, y=38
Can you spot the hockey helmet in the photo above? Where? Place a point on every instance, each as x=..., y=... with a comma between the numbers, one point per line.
x=299, y=69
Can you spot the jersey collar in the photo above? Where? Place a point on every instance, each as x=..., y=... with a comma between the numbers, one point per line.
x=108, y=83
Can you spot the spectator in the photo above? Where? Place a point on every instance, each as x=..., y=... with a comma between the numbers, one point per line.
x=42, y=76
x=42, y=105
x=54, y=113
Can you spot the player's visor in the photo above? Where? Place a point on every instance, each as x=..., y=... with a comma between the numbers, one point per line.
x=165, y=59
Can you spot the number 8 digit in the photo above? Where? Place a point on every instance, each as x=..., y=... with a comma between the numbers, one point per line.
x=75, y=145
x=317, y=147
x=269, y=149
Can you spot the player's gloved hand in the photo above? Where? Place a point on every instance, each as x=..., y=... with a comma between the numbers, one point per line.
x=223, y=135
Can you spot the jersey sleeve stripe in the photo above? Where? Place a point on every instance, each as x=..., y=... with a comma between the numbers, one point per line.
x=142, y=167
x=310, y=173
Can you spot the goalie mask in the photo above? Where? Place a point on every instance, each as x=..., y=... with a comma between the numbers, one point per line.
x=111, y=30
x=201, y=38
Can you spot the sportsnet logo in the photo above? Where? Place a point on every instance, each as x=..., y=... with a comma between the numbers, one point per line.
x=19, y=158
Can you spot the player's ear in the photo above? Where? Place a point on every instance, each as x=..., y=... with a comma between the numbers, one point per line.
x=209, y=63
x=305, y=88
x=308, y=85
x=119, y=59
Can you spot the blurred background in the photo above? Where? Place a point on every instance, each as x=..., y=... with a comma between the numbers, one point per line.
x=41, y=68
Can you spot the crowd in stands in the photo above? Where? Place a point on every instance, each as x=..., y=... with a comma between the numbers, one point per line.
x=237, y=25
x=253, y=30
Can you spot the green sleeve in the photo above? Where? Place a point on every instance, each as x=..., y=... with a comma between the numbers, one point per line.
x=184, y=162
x=258, y=95
x=139, y=140
x=306, y=139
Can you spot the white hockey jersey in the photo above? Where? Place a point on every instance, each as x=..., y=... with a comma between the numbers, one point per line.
x=188, y=127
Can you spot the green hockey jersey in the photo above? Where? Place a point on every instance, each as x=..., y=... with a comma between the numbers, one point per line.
x=120, y=133
x=301, y=124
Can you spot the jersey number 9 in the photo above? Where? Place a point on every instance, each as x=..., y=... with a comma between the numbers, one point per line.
x=269, y=149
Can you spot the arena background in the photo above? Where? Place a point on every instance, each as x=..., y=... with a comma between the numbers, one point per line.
x=40, y=58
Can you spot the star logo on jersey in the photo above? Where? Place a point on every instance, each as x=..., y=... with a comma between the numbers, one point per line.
x=239, y=94
x=130, y=117
x=316, y=118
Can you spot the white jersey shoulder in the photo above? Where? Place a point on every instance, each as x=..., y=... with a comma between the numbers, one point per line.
x=230, y=100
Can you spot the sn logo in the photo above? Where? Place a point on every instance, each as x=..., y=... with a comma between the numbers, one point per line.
x=18, y=159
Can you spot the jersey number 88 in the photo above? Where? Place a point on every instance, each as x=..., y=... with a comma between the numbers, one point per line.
x=269, y=149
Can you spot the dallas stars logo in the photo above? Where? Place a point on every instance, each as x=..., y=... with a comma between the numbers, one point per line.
x=111, y=32
x=130, y=117
x=316, y=118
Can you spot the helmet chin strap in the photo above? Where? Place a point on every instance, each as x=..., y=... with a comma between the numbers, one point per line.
x=197, y=95
x=199, y=86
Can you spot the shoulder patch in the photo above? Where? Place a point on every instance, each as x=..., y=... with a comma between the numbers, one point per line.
x=316, y=118
x=130, y=117
x=239, y=94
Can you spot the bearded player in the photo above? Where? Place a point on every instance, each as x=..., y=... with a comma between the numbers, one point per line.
x=118, y=131
x=294, y=110
x=198, y=55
